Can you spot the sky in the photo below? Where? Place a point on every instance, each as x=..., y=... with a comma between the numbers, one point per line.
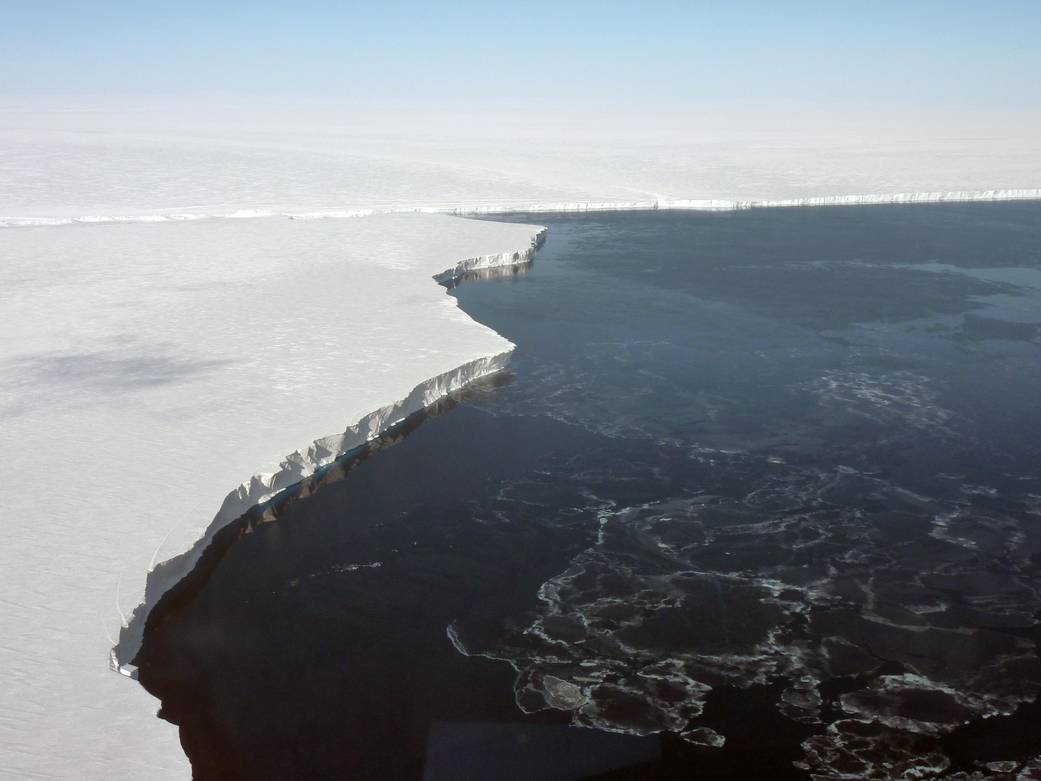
x=945, y=54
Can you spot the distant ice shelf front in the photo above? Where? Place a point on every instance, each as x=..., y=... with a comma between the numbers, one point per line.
x=664, y=204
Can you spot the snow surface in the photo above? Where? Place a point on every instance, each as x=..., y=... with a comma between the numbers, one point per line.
x=155, y=358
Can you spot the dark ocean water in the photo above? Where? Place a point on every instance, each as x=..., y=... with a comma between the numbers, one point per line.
x=760, y=497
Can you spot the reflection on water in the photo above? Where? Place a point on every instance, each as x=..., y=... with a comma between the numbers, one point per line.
x=764, y=488
x=494, y=272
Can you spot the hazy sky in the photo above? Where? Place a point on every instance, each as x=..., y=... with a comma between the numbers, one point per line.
x=924, y=53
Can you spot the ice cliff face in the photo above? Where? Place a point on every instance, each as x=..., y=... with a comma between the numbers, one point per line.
x=727, y=204
x=305, y=462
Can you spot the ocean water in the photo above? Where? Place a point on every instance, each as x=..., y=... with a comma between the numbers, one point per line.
x=760, y=497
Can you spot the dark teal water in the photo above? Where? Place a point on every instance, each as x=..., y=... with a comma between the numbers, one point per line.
x=761, y=497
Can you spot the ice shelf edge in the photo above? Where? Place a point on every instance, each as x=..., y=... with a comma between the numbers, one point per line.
x=303, y=463
x=520, y=207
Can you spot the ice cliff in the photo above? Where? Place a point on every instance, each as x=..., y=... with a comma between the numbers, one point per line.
x=305, y=462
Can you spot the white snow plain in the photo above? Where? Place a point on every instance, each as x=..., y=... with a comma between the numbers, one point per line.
x=159, y=360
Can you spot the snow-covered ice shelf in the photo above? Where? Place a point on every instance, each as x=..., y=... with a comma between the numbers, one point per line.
x=149, y=369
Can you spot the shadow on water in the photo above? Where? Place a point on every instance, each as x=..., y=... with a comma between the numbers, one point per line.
x=380, y=692
x=499, y=272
